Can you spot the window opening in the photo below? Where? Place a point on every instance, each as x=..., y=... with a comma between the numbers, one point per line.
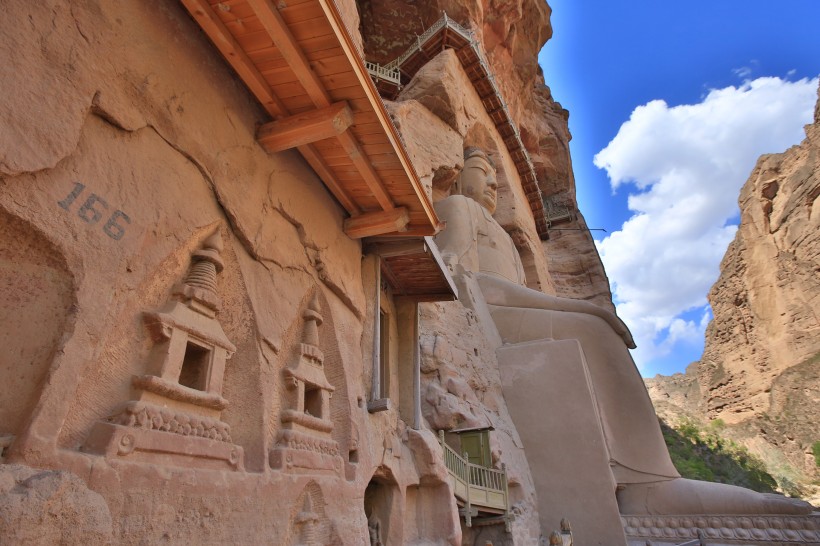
x=313, y=401
x=194, y=372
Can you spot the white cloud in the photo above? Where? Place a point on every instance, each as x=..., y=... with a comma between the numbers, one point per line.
x=742, y=72
x=684, y=166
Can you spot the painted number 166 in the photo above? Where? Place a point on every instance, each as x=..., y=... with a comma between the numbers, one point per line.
x=92, y=211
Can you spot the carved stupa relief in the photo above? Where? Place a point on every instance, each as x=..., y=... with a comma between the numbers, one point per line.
x=309, y=524
x=179, y=400
x=305, y=442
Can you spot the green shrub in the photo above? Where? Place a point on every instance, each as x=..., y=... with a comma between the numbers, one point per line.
x=704, y=455
x=815, y=448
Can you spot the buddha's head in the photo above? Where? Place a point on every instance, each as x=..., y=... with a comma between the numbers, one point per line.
x=477, y=180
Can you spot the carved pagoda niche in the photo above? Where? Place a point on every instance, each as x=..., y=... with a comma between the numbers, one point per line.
x=176, y=413
x=309, y=524
x=305, y=443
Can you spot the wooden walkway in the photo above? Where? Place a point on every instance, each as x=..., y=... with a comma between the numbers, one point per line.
x=481, y=492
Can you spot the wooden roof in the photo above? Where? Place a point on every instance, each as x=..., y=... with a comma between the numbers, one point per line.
x=299, y=61
x=415, y=269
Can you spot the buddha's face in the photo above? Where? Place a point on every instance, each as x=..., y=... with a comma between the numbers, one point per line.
x=478, y=182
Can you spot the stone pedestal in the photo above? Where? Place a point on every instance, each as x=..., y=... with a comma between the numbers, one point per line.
x=550, y=400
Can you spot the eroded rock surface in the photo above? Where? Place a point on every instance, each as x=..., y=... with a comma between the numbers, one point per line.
x=50, y=507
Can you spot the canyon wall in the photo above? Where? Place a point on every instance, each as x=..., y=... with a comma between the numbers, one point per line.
x=760, y=370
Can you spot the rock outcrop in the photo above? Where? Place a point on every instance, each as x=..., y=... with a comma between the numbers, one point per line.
x=760, y=371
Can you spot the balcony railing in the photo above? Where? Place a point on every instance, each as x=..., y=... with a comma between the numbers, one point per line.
x=477, y=486
x=555, y=213
x=388, y=73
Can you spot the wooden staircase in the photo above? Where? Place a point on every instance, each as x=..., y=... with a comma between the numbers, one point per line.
x=481, y=493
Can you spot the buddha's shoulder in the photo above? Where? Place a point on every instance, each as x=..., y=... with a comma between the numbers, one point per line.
x=456, y=204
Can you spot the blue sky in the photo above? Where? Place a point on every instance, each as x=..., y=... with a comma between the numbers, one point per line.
x=677, y=101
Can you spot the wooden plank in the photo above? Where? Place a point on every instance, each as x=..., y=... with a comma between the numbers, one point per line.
x=303, y=102
x=326, y=45
x=324, y=62
x=354, y=93
x=371, y=138
x=233, y=53
x=292, y=90
x=254, y=41
x=310, y=29
x=360, y=129
x=299, y=129
x=241, y=27
x=376, y=223
x=232, y=8
x=297, y=13
x=343, y=80
x=365, y=116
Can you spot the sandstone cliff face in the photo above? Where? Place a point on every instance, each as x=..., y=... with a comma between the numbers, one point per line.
x=511, y=34
x=126, y=143
x=760, y=371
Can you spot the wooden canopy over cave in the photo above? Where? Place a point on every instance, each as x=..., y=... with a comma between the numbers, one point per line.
x=415, y=269
x=301, y=64
x=299, y=61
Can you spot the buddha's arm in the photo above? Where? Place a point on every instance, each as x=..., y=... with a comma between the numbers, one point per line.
x=457, y=241
x=504, y=293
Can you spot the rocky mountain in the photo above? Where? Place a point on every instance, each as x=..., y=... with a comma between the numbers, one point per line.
x=760, y=370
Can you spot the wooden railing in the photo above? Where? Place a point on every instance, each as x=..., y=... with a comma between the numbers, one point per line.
x=555, y=213
x=388, y=73
x=476, y=485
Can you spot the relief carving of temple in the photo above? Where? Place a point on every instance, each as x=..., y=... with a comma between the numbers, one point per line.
x=283, y=273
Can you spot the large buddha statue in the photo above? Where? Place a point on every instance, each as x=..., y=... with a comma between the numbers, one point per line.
x=475, y=245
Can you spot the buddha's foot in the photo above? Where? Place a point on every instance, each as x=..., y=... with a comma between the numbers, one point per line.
x=681, y=497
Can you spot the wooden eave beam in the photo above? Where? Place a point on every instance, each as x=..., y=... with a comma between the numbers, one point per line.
x=392, y=249
x=365, y=168
x=370, y=224
x=305, y=128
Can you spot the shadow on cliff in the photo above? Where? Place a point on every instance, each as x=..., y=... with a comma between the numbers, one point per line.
x=703, y=455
